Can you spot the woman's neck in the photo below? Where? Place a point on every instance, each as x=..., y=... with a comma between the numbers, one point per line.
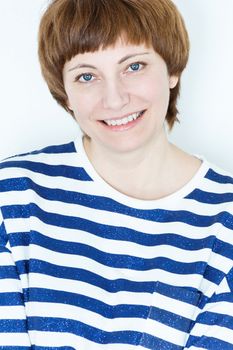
x=146, y=173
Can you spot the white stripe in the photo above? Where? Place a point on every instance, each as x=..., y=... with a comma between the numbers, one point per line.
x=218, y=332
x=143, y=226
x=223, y=287
x=220, y=262
x=177, y=307
x=62, y=158
x=150, y=228
x=8, y=285
x=6, y=259
x=14, y=339
x=85, y=316
x=111, y=273
x=133, y=249
x=17, y=225
x=12, y=313
x=122, y=297
x=107, y=325
x=224, y=234
x=91, y=291
x=165, y=332
x=62, y=339
x=1, y=217
x=194, y=348
x=220, y=307
x=215, y=187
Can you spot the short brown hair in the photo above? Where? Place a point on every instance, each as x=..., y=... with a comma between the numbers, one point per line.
x=70, y=27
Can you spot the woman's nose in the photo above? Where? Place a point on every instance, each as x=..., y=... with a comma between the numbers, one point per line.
x=115, y=95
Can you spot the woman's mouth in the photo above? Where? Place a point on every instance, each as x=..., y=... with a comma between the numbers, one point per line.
x=124, y=123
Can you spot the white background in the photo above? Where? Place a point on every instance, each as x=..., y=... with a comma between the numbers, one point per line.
x=31, y=119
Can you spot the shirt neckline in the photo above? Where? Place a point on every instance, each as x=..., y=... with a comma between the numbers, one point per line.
x=109, y=191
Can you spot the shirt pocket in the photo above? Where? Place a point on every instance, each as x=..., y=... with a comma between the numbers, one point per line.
x=170, y=317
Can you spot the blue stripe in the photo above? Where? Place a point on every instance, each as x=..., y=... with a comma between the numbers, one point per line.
x=222, y=297
x=129, y=235
x=184, y=294
x=11, y=299
x=124, y=261
x=112, y=286
x=56, y=149
x=13, y=326
x=214, y=275
x=20, y=239
x=3, y=250
x=150, y=342
x=213, y=318
x=118, y=260
x=51, y=149
x=88, y=303
x=50, y=348
x=35, y=347
x=230, y=280
x=179, y=293
x=81, y=329
x=219, y=178
x=66, y=171
x=223, y=248
x=209, y=197
x=209, y=343
x=108, y=311
x=170, y=319
x=18, y=347
x=157, y=215
x=3, y=237
x=8, y=272
x=16, y=211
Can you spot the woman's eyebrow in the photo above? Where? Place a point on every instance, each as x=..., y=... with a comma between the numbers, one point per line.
x=82, y=65
x=123, y=59
x=131, y=56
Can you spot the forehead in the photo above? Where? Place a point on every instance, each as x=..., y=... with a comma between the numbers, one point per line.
x=115, y=54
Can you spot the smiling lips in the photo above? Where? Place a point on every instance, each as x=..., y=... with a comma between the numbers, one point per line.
x=123, y=121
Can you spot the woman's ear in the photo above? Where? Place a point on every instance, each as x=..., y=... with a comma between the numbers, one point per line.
x=68, y=105
x=173, y=80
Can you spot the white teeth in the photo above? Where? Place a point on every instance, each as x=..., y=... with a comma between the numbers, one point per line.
x=123, y=120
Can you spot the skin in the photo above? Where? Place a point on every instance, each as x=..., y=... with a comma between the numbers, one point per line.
x=125, y=79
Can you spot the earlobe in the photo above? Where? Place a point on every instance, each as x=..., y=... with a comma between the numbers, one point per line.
x=68, y=106
x=173, y=80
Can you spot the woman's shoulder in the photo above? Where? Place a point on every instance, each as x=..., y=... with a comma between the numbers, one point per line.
x=38, y=154
x=214, y=192
x=209, y=175
x=211, y=195
x=219, y=174
x=50, y=166
x=219, y=180
x=51, y=155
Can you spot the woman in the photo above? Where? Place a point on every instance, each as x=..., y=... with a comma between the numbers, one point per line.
x=118, y=239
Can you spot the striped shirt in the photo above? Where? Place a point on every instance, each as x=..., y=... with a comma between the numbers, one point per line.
x=83, y=266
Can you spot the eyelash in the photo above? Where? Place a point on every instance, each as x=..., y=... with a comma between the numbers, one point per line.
x=142, y=64
x=77, y=79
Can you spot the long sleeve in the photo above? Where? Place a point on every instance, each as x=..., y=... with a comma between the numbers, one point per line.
x=13, y=323
x=213, y=328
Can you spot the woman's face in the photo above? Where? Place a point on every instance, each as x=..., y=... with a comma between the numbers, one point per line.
x=119, y=95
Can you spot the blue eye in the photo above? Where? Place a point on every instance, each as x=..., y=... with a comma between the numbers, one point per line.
x=85, y=78
x=135, y=67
